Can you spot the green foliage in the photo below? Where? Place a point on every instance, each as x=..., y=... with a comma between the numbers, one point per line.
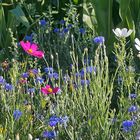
x=20, y=16
x=95, y=100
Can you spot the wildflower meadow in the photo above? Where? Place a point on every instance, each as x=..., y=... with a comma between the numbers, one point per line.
x=69, y=70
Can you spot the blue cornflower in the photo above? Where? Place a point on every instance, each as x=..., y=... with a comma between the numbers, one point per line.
x=49, y=70
x=8, y=87
x=65, y=30
x=133, y=95
x=29, y=38
x=54, y=120
x=31, y=90
x=82, y=30
x=77, y=74
x=42, y=22
x=99, y=39
x=69, y=26
x=49, y=134
x=64, y=120
x=39, y=80
x=25, y=75
x=56, y=30
x=17, y=114
x=89, y=69
x=87, y=61
x=127, y=125
x=133, y=109
x=53, y=75
x=62, y=21
x=34, y=71
x=85, y=82
x=2, y=81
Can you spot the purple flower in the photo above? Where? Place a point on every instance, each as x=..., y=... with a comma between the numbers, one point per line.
x=85, y=82
x=89, y=69
x=29, y=38
x=56, y=30
x=69, y=26
x=49, y=134
x=99, y=39
x=25, y=75
x=127, y=125
x=34, y=71
x=2, y=81
x=87, y=61
x=8, y=87
x=53, y=75
x=42, y=22
x=82, y=30
x=77, y=74
x=17, y=114
x=31, y=90
x=62, y=21
x=64, y=120
x=133, y=96
x=39, y=80
x=133, y=109
x=65, y=30
x=54, y=120
x=49, y=70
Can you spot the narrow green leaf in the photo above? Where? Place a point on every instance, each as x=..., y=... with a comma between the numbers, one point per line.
x=124, y=5
x=2, y=27
x=130, y=23
x=103, y=11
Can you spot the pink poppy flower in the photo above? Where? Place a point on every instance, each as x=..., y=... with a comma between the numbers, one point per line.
x=49, y=90
x=32, y=49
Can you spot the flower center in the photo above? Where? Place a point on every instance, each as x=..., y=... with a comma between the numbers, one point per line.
x=30, y=50
x=49, y=89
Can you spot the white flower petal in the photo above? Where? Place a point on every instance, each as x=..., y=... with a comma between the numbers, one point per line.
x=137, y=41
x=137, y=47
x=124, y=32
x=117, y=32
x=129, y=33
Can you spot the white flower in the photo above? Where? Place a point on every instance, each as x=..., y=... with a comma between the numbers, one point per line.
x=137, y=45
x=122, y=33
x=30, y=137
